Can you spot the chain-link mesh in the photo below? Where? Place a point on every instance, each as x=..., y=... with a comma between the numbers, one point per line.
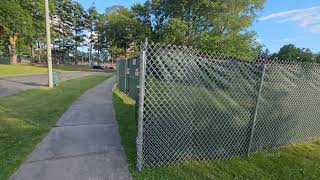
x=202, y=106
x=289, y=107
x=133, y=78
x=121, y=75
x=4, y=60
x=128, y=75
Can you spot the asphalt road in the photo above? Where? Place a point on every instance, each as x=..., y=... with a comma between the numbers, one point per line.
x=15, y=84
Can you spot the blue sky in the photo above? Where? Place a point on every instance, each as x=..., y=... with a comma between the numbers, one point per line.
x=281, y=22
x=289, y=21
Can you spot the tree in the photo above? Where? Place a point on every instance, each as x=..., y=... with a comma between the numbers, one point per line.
x=209, y=25
x=153, y=15
x=306, y=55
x=78, y=25
x=265, y=54
x=120, y=30
x=317, y=58
x=174, y=31
x=69, y=26
x=15, y=21
x=37, y=10
x=91, y=21
x=291, y=53
x=62, y=27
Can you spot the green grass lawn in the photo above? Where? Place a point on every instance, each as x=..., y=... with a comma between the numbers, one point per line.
x=299, y=161
x=26, y=118
x=6, y=70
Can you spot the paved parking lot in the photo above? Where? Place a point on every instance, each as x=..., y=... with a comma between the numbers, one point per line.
x=14, y=84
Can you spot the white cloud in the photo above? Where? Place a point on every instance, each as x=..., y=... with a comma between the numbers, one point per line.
x=308, y=18
x=315, y=29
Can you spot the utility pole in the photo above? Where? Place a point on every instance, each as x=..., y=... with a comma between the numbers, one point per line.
x=49, y=58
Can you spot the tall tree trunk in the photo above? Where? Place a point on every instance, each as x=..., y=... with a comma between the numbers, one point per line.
x=63, y=54
x=90, y=55
x=98, y=54
x=76, y=55
x=13, y=50
x=32, y=53
x=90, y=52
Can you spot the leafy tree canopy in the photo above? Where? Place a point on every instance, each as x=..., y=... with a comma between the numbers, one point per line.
x=292, y=53
x=212, y=25
x=120, y=30
x=15, y=19
x=217, y=25
x=20, y=19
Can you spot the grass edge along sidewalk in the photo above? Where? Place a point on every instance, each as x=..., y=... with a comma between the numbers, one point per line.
x=295, y=161
x=25, y=118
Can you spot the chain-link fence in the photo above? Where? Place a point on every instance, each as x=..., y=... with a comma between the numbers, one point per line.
x=200, y=106
x=195, y=105
x=128, y=74
x=4, y=60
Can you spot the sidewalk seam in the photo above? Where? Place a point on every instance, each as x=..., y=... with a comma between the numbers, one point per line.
x=75, y=156
x=75, y=125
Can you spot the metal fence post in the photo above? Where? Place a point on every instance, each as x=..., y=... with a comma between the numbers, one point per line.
x=141, y=106
x=125, y=75
x=256, y=108
x=117, y=74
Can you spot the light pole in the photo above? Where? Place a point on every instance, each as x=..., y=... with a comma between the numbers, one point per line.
x=49, y=58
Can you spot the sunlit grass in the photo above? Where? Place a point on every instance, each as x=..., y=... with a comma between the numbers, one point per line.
x=6, y=70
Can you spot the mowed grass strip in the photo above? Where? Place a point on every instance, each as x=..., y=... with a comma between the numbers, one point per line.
x=299, y=161
x=7, y=70
x=26, y=118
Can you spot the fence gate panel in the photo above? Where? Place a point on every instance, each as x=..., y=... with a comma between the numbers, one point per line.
x=289, y=108
x=196, y=106
x=133, y=78
x=121, y=69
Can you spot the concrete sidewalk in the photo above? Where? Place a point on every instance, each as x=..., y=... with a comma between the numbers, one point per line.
x=84, y=145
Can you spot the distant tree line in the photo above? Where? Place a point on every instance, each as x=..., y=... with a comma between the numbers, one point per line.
x=215, y=25
x=292, y=53
x=74, y=27
x=22, y=29
x=21, y=23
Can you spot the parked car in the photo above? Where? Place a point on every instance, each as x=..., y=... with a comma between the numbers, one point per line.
x=97, y=67
x=108, y=66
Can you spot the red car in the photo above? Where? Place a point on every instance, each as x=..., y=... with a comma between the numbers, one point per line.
x=107, y=66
